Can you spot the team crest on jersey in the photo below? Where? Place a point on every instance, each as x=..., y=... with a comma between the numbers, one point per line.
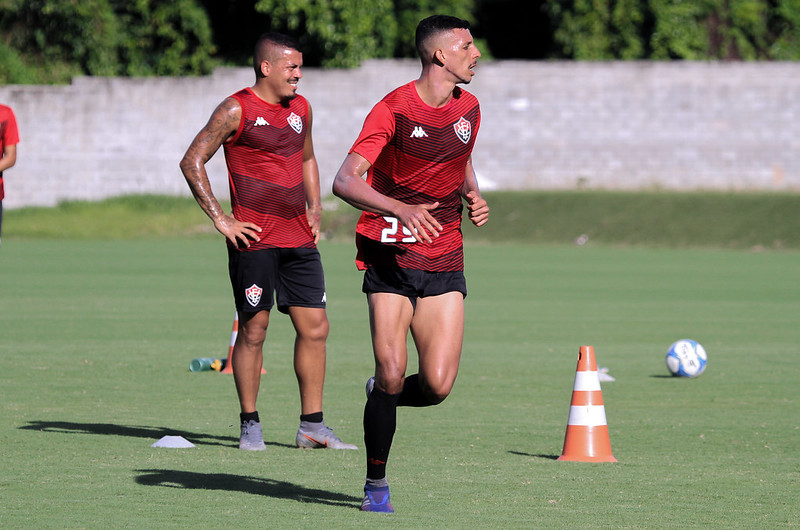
x=295, y=122
x=463, y=129
x=253, y=294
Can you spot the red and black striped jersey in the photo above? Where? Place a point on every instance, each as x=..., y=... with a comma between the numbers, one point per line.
x=265, y=170
x=418, y=155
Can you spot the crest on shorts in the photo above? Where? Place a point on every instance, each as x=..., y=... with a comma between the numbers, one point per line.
x=295, y=122
x=463, y=129
x=253, y=294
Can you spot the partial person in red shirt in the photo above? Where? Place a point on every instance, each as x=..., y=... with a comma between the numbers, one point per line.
x=416, y=150
x=9, y=138
x=272, y=231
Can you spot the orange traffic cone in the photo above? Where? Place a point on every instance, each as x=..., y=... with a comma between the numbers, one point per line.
x=229, y=364
x=587, y=439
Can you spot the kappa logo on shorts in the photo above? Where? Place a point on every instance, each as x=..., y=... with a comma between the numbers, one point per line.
x=253, y=294
x=295, y=122
x=463, y=129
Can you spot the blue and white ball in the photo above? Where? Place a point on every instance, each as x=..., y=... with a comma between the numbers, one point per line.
x=686, y=358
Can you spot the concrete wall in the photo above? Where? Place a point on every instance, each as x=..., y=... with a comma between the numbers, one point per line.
x=560, y=125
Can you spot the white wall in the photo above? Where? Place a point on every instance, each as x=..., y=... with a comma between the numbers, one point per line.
x=546, y=125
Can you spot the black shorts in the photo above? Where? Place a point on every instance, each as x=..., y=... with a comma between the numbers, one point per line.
x=293, y=275
x=413, y=283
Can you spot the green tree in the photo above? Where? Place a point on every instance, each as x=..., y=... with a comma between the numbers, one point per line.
x=725, y=29
x=679, y=30
x=342, y=33
x=598, y=29
x=336, y=33
x=785, y=25
x=408, y=13
x=164, y=37
x=676, y=29
x=57, y=40
x=51, y=41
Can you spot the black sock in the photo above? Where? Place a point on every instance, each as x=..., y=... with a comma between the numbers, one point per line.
x=315, y=417
x=380, y=422
x=412, y=395
x=249, y=416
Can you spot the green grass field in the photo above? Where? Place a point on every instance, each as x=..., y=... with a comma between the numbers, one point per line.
x=96, y=336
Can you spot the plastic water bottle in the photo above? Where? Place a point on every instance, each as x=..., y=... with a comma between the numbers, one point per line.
x=204, y=364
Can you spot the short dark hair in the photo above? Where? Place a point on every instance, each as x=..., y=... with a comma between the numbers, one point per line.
x=267, y=40
x=434, y=25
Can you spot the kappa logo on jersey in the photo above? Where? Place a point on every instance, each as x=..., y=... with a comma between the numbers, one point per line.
x=260, y=121
x=418, y=132
x=463, y=129
x=253, y=294
x=296, y=122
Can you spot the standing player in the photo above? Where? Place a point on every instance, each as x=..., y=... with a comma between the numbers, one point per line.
x=265, y=131
x=9, y=138
x=415, y=147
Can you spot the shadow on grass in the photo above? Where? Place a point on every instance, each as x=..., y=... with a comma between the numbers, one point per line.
x=257, y=486
x=549, y=457
x=135, y=431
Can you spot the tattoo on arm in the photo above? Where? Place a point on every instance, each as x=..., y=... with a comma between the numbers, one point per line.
x=221, y=126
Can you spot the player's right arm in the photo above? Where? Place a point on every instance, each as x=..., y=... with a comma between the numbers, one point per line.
x=221, y=126
x=349, y=186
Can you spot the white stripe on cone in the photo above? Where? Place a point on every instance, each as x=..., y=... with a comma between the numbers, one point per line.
x=587, y=381
x=587, y=415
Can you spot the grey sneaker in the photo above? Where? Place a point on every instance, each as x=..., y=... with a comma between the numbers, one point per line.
x=321, y=438
x=251, y=438
x=370, y=386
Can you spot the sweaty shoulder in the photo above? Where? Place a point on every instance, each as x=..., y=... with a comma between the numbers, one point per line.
x=231, y=106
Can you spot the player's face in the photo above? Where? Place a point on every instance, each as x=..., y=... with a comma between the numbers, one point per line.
x=284, y=73
x=461, y=55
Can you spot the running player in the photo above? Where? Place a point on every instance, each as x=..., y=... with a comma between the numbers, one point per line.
x=415, y=147
x=265, y=131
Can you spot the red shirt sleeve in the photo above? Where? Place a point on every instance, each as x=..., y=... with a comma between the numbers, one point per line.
x=10, y=133
x=377, y=131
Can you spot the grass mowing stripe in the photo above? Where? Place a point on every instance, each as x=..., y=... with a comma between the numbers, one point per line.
x=96, y=337
x=660, y=218
x=642, y=218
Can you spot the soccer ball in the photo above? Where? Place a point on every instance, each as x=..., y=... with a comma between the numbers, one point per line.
x=686, y=358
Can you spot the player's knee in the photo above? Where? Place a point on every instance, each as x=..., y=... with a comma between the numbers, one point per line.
x=316, y=331
x=252, y=330
x=436, y=397
x=319, y=332
x=252, y=338
x=437, y=391
x=389, y=379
